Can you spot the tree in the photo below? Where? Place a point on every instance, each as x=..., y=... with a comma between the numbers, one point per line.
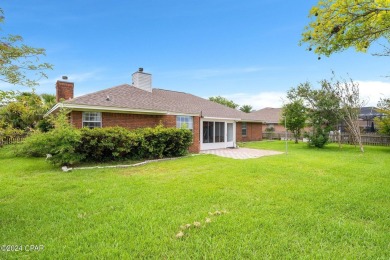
x=7, y=97
x=350, y=106
x=224, y=101
x=295, y=115
x=246, y=108
x=337, y=25
x=18, y=61
x=323, y=113
x=384, y=122
x=25, y=111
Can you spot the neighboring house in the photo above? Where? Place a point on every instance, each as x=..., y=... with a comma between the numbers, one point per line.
x=366, y=119
x=139, y=105
x=271, y=118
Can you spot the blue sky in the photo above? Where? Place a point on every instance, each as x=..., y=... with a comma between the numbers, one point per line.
x=246, y=51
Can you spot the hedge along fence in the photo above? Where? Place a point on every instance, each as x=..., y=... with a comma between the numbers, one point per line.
x=68, y=146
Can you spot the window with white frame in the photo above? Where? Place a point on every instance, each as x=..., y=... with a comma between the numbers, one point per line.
x=92, y=119
x=243, y=128
x=186, y=122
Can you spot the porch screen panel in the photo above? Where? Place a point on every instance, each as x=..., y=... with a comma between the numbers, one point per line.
x=208, y=132
x=219, y=132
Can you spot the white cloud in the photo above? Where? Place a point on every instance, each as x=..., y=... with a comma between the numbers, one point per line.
x=258, y=101
x=372, y=91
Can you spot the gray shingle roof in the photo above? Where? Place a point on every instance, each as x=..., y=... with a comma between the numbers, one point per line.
x=369, y=113
x=269, y=115
x=129, y=97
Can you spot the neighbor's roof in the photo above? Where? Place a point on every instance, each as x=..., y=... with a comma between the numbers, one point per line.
x=369, y=113
x=129, y=98
x=269, y=115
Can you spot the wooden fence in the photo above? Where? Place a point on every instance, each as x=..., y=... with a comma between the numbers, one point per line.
x=367, y=139
x=4, y=140
x=277, y=136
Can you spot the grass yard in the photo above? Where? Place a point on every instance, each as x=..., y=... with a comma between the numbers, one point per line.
x=327, y=204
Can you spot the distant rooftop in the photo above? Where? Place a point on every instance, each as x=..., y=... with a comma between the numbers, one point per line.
x=269, y=115
x=368, y=113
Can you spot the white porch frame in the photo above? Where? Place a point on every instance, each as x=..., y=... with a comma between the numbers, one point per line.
x=214, y=145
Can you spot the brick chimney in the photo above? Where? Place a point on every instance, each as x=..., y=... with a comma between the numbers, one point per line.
x=142, y=80
x=64, y=89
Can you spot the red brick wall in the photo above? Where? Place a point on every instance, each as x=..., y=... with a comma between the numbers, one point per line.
x=131, y=121
x=253, y=132
x=278, y=128
x=195, y=147
x=168, y=121
x=76, y=119
x=134, y=121
x=64, y=90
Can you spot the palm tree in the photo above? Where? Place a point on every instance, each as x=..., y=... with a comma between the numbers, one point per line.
x=246, y=108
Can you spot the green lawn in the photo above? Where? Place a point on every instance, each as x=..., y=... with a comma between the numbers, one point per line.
x=312, y=203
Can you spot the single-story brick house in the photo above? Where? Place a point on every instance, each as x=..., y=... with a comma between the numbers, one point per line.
x=139, y=105
x=271, y=119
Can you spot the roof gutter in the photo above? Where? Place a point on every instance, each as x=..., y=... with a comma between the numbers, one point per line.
x=233, y=119
x=56, y=106
x=253, y=121
x=221, y=118
x=78, y=107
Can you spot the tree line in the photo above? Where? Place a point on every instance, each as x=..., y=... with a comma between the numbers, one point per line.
x=231, y=104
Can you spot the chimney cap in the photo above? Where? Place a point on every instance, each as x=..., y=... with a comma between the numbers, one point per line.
x=65, y=77
x=141, y=69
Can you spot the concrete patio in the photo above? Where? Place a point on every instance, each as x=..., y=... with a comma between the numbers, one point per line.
x=241, y=153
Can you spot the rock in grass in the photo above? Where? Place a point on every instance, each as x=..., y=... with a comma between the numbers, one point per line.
x=66, y=169
x=197, y=224
x=180, y=234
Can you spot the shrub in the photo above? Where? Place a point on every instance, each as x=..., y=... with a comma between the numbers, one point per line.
x=68, y=145
x=116, y=143
x=60, y=143
x=317, y=139
x=270, y=129
x=45, y=125
x=162, y=142
x=107, y=144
